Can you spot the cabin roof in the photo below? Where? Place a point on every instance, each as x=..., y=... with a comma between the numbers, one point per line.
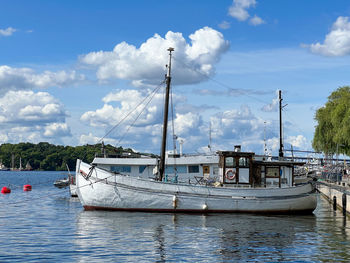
x=277, y=163
x=234, y=153
x=183, y=160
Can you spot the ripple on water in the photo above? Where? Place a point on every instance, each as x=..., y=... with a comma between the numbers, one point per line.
x=47, y=225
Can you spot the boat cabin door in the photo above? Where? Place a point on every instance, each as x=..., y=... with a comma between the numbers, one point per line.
x=206, y=171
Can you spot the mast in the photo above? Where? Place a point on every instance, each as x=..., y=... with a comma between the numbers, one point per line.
x=265, y=146
x=165, y=121
x=281, y=135
x=209, y=145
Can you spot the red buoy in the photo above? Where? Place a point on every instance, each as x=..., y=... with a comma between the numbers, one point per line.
x=27, y=187
x=5, y=190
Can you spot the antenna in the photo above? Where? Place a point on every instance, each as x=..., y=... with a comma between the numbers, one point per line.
x=281, y=135
x=265, y=146
x=209, y=145
x=181, y=142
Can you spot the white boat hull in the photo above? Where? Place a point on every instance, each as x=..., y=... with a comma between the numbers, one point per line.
x=108, y=191
x=73, y=190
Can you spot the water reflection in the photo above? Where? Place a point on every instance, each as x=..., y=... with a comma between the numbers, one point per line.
x=333, y=234
x=47, y=225
x=173, y=237
x=160, y=243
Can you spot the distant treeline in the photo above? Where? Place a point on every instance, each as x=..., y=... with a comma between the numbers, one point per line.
x=49, y=157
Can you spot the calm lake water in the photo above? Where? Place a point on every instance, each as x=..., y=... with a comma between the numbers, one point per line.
x=47, y=225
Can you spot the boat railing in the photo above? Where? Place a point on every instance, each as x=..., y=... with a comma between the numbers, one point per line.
x=122, y=155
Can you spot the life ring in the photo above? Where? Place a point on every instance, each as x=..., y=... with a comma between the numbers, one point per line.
x=230, y=174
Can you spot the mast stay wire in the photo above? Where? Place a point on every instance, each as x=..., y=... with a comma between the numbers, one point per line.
x=130, y=112
x=173, y=129
x=216, y=81
x=227, y=86
x=151, y=96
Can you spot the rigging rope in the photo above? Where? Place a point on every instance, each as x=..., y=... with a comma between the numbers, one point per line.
x=173, y=129
x=151, y=96
x=115, y=126
x=216, y=81
x=152, y=93
x=228, y=87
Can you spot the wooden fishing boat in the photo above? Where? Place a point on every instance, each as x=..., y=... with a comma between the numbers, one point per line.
x=227, y=181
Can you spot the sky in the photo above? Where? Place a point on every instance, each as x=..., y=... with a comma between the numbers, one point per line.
x=79, y=72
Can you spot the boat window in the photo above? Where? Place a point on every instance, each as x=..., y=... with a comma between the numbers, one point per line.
x=181, y=169
x=272, y=171
x=193, y=169
x=121, y=169
x=142, y=168
x=230, y=162
x=243, y=162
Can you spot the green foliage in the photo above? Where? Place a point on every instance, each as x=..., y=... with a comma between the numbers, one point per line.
x=332, y=133
x=49, y=157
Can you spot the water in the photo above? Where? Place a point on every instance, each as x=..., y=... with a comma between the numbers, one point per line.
x=47, y=225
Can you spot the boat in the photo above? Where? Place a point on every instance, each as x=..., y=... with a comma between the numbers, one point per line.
x=61, y=183
x=28, y=167
x=68, y=182
x=72, y=185
x=73, y=190
x=222, y=182
x=3, y=167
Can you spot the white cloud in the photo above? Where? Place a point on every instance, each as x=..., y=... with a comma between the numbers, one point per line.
x=91, y=139
x=187, y=124
x=30, y=116
x=228, y=128
x=255, y=21
x=127, y=101
x=7, y=32
x=298, y=141
x=238, y=10
x=273, y=144
x=236, y=124
x=26, y=78
x=26, y=108
x=192, y=62
x=149, y=124
x=3, y=138
x=225, y=25
x=26, y=116
x=337, y=41
x=57, y=130
x=273, y=106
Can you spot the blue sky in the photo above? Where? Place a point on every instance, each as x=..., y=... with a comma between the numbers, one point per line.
x=71, y=70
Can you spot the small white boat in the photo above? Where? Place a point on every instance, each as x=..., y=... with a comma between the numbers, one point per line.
x=228, y=181
x=3, y=167
x=73, y=187
x=72, y=184
x=61, y=183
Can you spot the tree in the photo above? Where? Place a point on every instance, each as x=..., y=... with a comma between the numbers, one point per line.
x=332, y=133
x=45, y=156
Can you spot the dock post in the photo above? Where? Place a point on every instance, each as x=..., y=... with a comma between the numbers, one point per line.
x=344, y=203
x=334, y=203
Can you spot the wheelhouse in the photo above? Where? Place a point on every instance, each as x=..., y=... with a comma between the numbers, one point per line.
x=246, y=169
